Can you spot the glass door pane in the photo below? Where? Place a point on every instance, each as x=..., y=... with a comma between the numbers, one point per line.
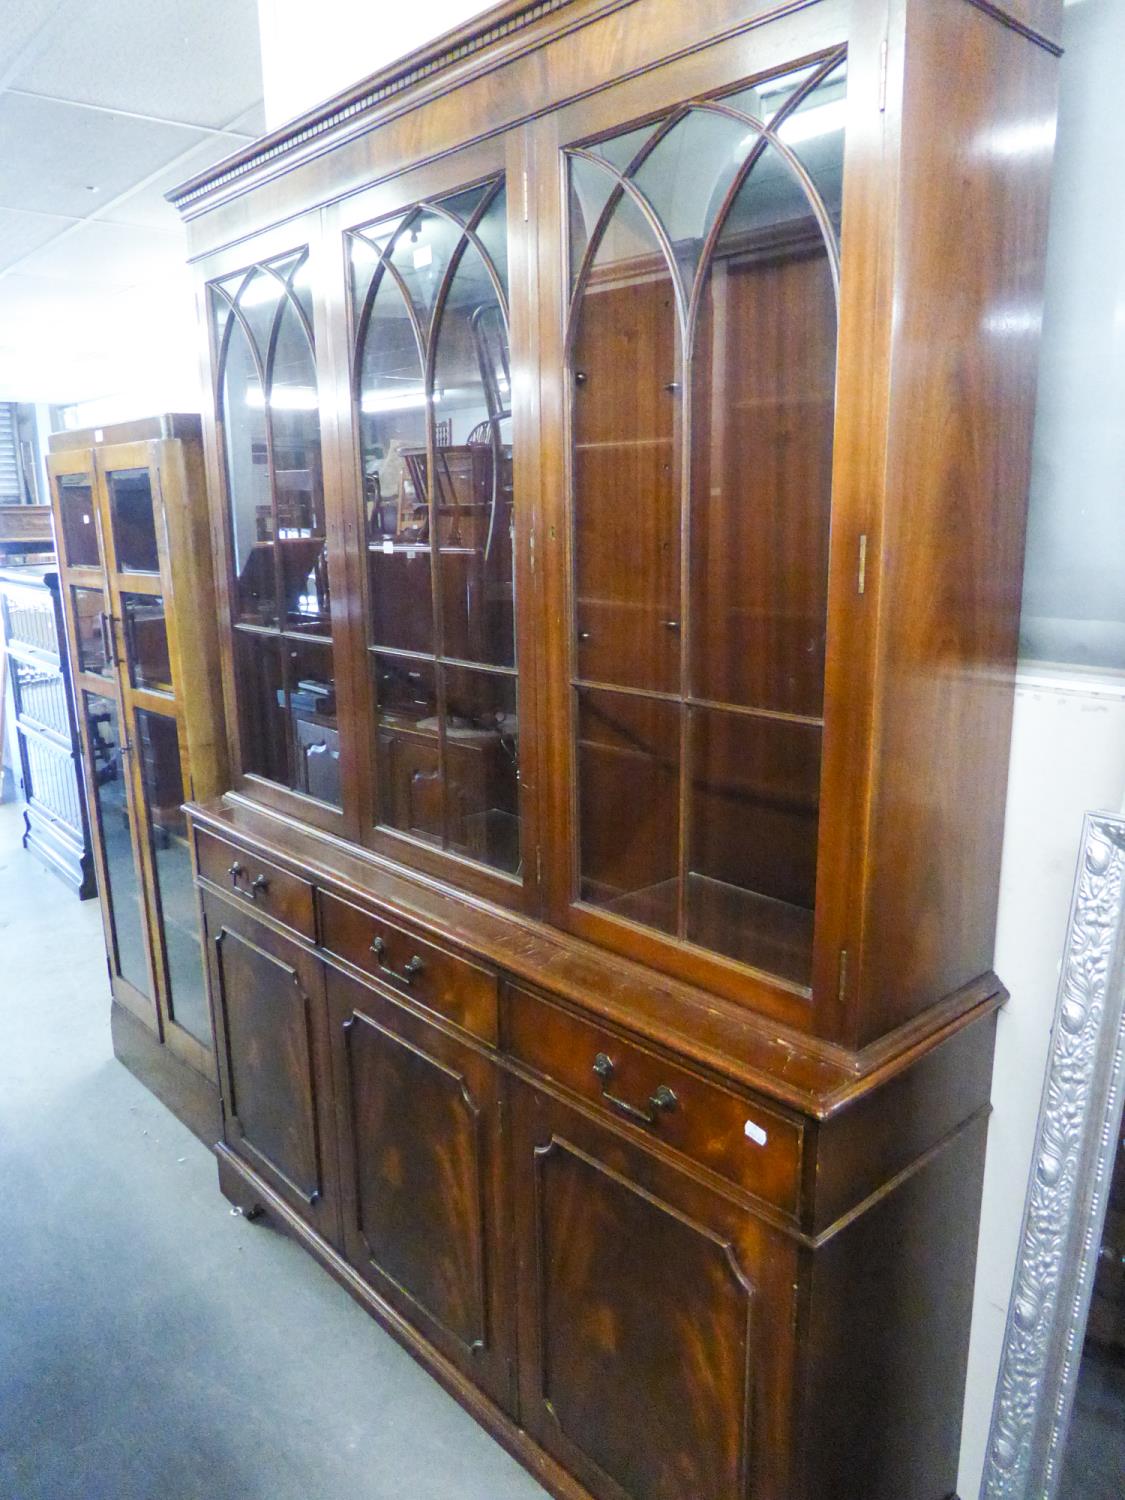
x=79, y=527
x=433, y=401
x=162, y=781
x=702, y=345
x=133, y=521
x=270, y=417
x=146, y=642
x=92, y=624
x=124, y=898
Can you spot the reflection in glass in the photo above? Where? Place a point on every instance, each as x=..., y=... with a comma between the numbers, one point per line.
x=285, y=680
x=251, y=514
x=627, y=462
x=482, y=767
x=407, y=747
x=402, y=612
x=146, y=642
x=133, y=521
x=123, y=895
x=79, y=528
x=687, y=176
x=473, y=466
x=298, y=486
x=433, y=412
x=752, y=863
x=92, y=622
x=719, y=850
x=311, y=687
x=421, y=256
x=162, y=780
x=813, y=127
x=260, y=680
x=628, y=805
x=761, y=491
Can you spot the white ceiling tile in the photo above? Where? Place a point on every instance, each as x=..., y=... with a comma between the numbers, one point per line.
x=26, y=27
x=54, y=153
x=252, y=122
x=22, y=232
x=147, y=207
x=120, y=255
x=195, y=60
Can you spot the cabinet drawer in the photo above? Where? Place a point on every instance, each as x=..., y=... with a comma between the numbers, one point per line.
x=738, y=1138
x=263, y=886
x=451, y=986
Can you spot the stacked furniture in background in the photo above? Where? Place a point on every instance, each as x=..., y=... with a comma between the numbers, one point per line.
x=56, y=826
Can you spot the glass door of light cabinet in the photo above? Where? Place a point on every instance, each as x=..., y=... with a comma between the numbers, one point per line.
x=700, y=367
x=138, y=576
x=95, y=647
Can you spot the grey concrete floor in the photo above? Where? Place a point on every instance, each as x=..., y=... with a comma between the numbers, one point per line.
x=152, y=1346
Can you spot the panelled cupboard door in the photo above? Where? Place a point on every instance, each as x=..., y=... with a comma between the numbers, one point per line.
x=419, y=1159
x=271, y=1030
x=655, y=1318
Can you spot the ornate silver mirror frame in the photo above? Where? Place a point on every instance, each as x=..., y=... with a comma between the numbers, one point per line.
x=1075, y=1143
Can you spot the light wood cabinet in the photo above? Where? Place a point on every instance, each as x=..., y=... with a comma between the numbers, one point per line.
x=619, y=441
x=131, y=521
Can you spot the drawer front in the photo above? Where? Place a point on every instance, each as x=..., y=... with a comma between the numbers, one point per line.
x=450, y=986
x=263, y=886
x=737, y=1138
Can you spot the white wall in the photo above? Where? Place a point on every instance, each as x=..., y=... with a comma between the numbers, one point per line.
x=312, y=52
x=1068, y=757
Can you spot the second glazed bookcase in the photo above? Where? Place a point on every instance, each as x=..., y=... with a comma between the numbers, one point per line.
x=131, y=524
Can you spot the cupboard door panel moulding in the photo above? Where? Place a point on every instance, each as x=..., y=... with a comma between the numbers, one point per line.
x=418, y=1129
x=619, y=449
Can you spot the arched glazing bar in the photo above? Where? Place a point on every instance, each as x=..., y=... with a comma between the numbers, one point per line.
x=701, y=496
x=431, y=384
x=266, y=393
x=768, y=134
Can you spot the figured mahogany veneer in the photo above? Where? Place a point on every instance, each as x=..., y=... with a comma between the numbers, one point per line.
x=752, y=1145
x=462, y=992
x=268, y=888
x=619, y=441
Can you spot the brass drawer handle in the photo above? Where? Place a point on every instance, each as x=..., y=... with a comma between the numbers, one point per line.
x=258, y=887
x=661, y=1101
x=409, y=971
x=234, y=871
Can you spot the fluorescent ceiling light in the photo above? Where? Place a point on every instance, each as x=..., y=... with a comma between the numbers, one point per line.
x=372, y=402
x=807, y=124
x=285, y=398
